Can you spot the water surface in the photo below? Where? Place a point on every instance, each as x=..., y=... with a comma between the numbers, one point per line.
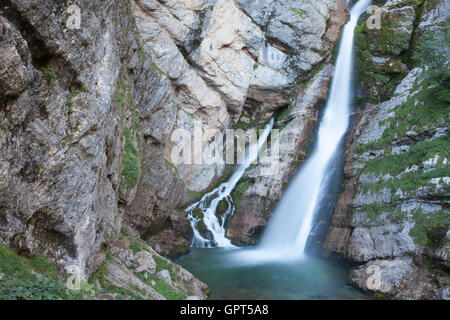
x=231, y=278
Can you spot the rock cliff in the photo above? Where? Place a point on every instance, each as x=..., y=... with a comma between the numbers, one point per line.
x=87, y=113
x=392, y=216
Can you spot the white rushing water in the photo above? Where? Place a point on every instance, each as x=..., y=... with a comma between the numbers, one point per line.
x=209, y=202
x=287, y=232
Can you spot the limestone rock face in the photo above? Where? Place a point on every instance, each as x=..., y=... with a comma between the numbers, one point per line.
x=223, y=61
x=227, y=54
x=392, y=215
x=16, y=71
x=88, y=114
x=377, y=217
x=165, y=276
x=398, y=278
x=379, y=51
x=59, y=146
x=120, y=275
x=86, y=119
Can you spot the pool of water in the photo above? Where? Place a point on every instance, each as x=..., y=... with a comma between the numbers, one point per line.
x=233, y=277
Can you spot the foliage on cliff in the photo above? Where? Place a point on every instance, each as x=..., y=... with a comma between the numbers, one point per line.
x=34, y=278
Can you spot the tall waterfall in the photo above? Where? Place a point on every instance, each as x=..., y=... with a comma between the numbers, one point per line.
x=209, y=202
x=286, y=235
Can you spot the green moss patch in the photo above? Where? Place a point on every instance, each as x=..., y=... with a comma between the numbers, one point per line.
x=238, y=192
x=430, y=228
x=33, y=278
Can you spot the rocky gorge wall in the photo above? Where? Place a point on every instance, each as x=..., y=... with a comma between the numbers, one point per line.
x=87, y=117
x=78, y=107
x=393, y=214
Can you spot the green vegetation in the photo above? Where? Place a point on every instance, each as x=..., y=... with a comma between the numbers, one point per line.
x=162, y=287
x=33, y=278
x=193, y=194
x=201, y=227
x=125, y=100
x=126, y=108
x=164, y=264
x=197, y=213
x=49, y=74
x=299, y=12
x=408, y=182
x=283, y=119
x=222, y=207
x=138, y=245
x=76, y=91
x=419, y=111
x=428, y=225
x=248, y=117
x=161, y=264
x=170, y=165
x=4, y=132
x=395, y=164
x=156, y=69
x=239, y=191
x=122, y=293
x=434, y=268
x=241, y=125
x=131, y=166
x=374, y=211
x=41, y=169
x=424, y=110
x=134, y=292
x=433, y=53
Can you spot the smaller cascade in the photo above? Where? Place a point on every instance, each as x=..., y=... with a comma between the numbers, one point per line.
x=203, y=213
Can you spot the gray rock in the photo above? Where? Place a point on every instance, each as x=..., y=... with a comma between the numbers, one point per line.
x=375, y=224
x=165, y=276
x=399, y=278
x=145, y=262
x=16, y=71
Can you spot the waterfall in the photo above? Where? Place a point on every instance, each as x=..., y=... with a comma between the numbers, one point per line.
x=209, y=202
x=287, y=232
